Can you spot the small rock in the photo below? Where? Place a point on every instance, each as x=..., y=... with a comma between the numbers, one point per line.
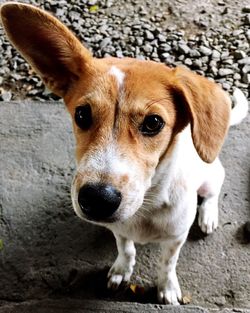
x=226, y=86
x=214, y=70
x=216, y=55
x=239, y=54
x=228, y=61
x=246, y=78
x=246, y=69
x=161, y=38
x=248, y=34
x=143, y=11
x=105, y=42
x=165, y=47
x=184, y=49
x=6, y=95
x=119, y=54
x=225, y=72
x=197, y=64
x=246, y=9
x=92, y=2
x=139, y=41
x=170, y=59
x=224, y=55
x=194, y=53
x=237, y=76
x=147, y=48
x=205, y=50
x=247, y=19
x=165, y=55
x=238, y=32
x=149, y=35
x=245, y=61
x=188, y=62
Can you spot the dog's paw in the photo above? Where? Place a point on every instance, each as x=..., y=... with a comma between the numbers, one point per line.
x=119, y=274
x=169, y=293
x=208, y=219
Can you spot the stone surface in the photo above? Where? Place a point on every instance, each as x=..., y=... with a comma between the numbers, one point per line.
x=86, y=306
x=46, y=251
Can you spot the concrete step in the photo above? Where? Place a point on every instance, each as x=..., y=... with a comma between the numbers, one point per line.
x=88, y=306
x=45, y=249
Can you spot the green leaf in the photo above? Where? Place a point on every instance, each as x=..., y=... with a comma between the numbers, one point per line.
x=94, y=8
x=1, y=244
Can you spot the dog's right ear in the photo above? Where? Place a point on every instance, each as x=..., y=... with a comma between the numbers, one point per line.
x=49, y=46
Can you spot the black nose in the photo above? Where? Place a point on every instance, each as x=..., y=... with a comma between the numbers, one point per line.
x=99, y=201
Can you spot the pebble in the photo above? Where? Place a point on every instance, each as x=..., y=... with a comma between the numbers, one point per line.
x=165, y=47
x=244, y=61
x=205, y=51
x=226, y=86
x=246, y=78
x=246, y=69
x=184, y=49
x=193, y=53
x=6, y=95
x=237, y=76
x=149, y=35
x=197, y=64
x=216, y=54
x=225, y=72
x=239, y=54
x=188, y=62
x=247, y=19
x=246, y=9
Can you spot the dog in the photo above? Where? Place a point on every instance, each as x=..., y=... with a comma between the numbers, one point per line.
x=147, y=141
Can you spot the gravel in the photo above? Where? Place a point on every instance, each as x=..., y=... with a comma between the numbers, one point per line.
x=143, y=30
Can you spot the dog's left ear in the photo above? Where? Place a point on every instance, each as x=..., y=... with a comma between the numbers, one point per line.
x=208, y=107
x=49, y=46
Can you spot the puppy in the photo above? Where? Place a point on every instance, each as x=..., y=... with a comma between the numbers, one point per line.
x=147, y=140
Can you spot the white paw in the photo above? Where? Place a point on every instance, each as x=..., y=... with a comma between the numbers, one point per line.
x=208, y=219
x=119, y=273
x=170, y=292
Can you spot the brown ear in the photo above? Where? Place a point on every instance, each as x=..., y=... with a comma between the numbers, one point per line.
x=52, y=50
x=208, y=107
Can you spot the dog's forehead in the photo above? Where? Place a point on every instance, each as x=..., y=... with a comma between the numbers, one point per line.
x=122, y=81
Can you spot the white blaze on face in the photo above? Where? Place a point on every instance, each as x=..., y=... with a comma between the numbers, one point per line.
x=108, y=162
x=118, y=74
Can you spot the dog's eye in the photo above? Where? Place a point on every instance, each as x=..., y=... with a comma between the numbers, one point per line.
x=152, y=125
x=83, y=116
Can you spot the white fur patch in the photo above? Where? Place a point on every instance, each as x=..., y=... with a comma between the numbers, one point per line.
x=118, y=74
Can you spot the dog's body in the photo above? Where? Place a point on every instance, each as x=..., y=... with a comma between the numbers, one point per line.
x=147, y=140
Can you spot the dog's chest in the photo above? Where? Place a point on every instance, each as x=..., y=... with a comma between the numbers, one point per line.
x=153, y=226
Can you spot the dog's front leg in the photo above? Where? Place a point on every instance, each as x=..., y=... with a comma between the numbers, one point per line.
x=169, y=291
x=122, y=269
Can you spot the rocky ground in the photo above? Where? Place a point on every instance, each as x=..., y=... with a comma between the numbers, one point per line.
x=210, y=37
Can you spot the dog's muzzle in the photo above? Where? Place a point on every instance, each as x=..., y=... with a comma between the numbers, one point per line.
x=99, y=202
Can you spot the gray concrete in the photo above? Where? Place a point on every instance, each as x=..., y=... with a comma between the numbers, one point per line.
x=48, y=252
x=88, y=306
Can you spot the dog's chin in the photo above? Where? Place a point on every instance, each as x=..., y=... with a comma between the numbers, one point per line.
x=119, y=216
x=115, y=218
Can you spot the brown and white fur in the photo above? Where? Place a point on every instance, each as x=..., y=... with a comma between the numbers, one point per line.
x=157, y=176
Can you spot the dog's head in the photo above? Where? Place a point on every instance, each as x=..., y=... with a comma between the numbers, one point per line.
x=126, y=113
